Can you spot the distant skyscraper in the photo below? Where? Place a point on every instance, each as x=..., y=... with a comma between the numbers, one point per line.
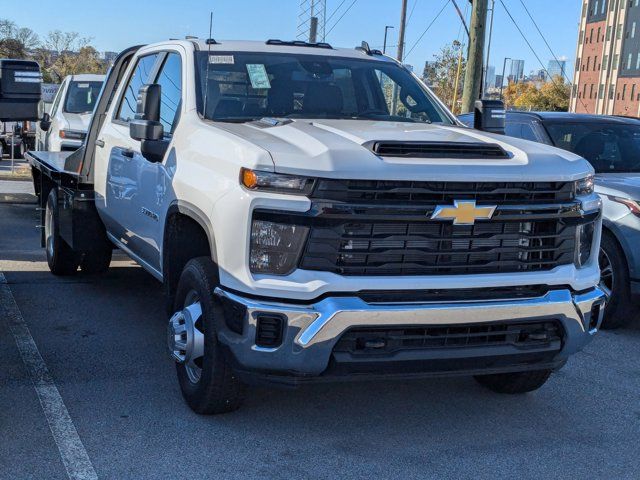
x=557, y=68
x=516, y=72
x=491, y=77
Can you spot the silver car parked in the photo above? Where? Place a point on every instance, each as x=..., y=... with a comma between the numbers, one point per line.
x=612, y=146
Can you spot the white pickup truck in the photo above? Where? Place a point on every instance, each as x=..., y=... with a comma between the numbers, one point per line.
x=316, y=214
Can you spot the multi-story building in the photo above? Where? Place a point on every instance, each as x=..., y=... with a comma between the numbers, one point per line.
x=516, y=71
x=607, y=70
x=556, y=68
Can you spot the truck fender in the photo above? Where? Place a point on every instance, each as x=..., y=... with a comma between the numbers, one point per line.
x=193, y=212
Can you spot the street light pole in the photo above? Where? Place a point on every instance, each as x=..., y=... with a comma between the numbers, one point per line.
x=386, y=31
x=504, y=67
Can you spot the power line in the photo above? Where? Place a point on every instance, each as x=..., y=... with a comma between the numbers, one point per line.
x=564, y=73
x=427, y=29
x=530, y=46
x=336, y=10
x=341, y=17
x=411, y=13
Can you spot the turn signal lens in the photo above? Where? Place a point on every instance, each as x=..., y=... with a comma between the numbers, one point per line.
x=249, y=178
x=275, y=182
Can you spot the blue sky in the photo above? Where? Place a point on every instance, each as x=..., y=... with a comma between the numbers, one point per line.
x=116, y=24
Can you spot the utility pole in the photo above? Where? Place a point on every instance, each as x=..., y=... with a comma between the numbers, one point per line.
x=400, y=57
x=313, y=30
x=401, y=34
x=473, y=75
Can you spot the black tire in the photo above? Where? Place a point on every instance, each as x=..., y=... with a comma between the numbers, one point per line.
x=62, y=260
x=619, y=311
x=97, y=261
x=218, y=389
x=514, y=383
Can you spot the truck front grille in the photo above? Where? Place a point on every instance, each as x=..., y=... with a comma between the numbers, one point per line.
x=377, y=341
x=384, y=228
x=388, y=191
x=438, y=248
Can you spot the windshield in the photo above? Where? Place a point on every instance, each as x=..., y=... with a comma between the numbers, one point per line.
x=609, y=148
x=81, y=97
x=247, y=86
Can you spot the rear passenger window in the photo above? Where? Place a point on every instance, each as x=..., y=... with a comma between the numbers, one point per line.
x=521, y=130
x=141, y=76
x=170, y=81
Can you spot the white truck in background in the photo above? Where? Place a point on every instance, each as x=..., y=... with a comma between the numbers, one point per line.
x=308, y=226
x=64, y=126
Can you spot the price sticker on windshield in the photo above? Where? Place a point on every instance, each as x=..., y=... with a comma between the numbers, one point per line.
x=258, y=76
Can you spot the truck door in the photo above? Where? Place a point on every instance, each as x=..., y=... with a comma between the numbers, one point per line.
x=132, y=194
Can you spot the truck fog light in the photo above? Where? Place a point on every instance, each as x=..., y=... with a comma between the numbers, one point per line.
x=275, y=247
x=585, y=242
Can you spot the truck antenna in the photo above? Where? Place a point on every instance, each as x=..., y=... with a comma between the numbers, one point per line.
x=206, y=82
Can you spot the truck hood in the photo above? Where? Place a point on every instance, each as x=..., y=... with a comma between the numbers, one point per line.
x=77, y=121
x=336, y=149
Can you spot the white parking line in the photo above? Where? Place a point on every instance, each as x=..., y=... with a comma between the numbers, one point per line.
x=74, y=456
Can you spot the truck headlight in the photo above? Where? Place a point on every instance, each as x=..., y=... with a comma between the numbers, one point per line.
x=585, y=235
x=275, y=182
x=585, y=186
x=275, y=247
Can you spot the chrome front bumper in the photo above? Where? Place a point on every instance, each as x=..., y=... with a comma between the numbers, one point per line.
x=311, y=331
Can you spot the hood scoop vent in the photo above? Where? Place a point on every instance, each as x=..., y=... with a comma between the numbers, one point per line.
x=462, y=150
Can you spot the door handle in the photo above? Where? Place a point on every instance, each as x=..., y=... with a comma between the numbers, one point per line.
x=100, y=143
x=127, y=153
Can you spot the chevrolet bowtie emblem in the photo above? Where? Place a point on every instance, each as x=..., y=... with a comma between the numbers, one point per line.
x=463, y=212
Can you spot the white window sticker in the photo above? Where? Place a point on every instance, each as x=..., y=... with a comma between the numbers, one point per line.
x=258, y=76
x=222, y=59
x=83, y=85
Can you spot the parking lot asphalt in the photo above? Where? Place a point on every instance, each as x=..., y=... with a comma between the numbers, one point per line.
x=102, y=339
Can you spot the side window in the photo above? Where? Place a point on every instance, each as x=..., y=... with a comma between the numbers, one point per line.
x=141, y=75
x=170, y=81
x=513, y=129
x=56, y=101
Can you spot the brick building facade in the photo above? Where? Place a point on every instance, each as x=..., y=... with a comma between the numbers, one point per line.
x=607, y=70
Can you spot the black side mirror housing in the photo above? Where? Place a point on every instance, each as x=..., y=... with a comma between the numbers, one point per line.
x=146, y=126
x=490, y=116
x=45, y=122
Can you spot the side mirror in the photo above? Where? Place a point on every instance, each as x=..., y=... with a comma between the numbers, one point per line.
x=146, y=125
x=45, y=122
x=490, y=116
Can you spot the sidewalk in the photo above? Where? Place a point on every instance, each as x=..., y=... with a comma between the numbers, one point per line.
x=20, y=169
x=12, y=191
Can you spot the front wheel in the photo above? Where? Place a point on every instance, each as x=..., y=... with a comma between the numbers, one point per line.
x=614, y=281
x=514, y=383
x=207, y=381
x=61, y=258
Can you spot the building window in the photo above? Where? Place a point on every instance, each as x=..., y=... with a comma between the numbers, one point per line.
x=595, y=63
x=616, y=60
x=638, y=62
x=629, y=61
x=591, y=91
x=588, y=63
x=595, y=7
x=619, y=31
x=633, y=92
x=581, y=38
x=633, y=30
x=605, y=62
x=624, y=90
x=601, y=91
x=608, y=33
x=599, y=33
x=577, y=64
x=591, y=36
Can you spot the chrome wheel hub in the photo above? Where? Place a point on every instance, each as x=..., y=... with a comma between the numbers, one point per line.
x=606, y=274
x=186, y=338
x=48, y=230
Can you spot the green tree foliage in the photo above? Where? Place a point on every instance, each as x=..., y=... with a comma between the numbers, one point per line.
x=58, y=53
x=441, y=74
x=550, y=96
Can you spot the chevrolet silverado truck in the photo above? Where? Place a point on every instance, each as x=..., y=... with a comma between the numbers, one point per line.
x=317, y=214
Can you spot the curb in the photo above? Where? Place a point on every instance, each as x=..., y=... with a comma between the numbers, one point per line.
x=17, y=198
